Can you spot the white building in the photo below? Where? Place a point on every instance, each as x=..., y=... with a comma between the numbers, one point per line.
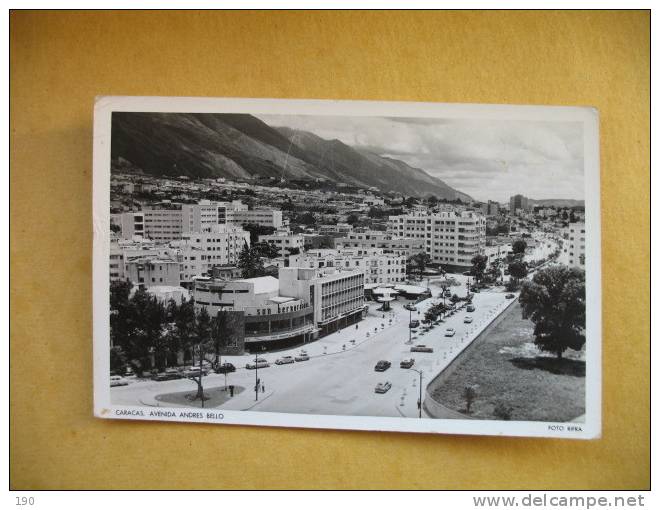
x=389, y=243
x=336, y=296
x=263, y=217
x=199, y=252
x=573, y=248
x=451, y=238
x=123, y=251
x=337, y=228
x=153, y=271
x=268, y=319
x=377, y=266
x=284, y=242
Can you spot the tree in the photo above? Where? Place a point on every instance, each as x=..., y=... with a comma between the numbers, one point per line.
x=419, y=261
x=115, y=228
x=184, y=324
x=518, y=270
x=257, y=230
x=554, y=302
x=204, y=344
x=250, y=263
x=469, y=394
x=268, y=250
x=479, y=263
x=519, y=246
x=353, y=219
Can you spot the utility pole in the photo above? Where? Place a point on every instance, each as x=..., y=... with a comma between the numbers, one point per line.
x=419, y=402
x=256, y=378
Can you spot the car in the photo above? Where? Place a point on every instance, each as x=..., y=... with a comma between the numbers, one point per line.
x=302, y=357
x=413, y=324
x=284, y=360
x=168, y=375
x=509, y=296
x=383, y=387
x=470, y=308
x=258, y=363
x=407, y=363
x=450, y=332
x=467, y=319
x=225, y=368
x=382, y=365
x=421, y=348
x=410, y=307
x=447, y=293
x=195, y=371
x=117, y=380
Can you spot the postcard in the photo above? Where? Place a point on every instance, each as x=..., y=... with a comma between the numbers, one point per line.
x=382, y=266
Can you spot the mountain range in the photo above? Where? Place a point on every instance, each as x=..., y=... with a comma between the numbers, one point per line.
x=241, y=146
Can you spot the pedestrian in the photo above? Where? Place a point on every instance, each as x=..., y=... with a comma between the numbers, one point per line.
x=263, y=388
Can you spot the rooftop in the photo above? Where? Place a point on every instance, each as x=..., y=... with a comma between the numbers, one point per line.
x=263, y=284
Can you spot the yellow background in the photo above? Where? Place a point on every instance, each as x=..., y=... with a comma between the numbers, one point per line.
x=61, y=60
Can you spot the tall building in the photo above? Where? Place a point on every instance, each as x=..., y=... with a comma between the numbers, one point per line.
x=490, y=208
x=518, y=203
x=573, y=246
x=337, y=297
x=451, y=238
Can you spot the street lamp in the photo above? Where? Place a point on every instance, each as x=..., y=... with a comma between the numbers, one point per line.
x=419, y=402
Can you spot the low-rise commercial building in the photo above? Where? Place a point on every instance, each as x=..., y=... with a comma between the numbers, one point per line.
x=269, y=320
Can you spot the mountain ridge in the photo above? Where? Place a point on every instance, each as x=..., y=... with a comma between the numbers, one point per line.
x=241, y=146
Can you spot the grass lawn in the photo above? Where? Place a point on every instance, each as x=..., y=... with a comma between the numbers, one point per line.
x=214, y=397
x=509, y=372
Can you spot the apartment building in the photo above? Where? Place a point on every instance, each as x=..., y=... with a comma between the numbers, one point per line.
x=263, y=217
x=199, y=252
x=153, y=271
x=284, y=242
x=377, y=266
x=490, y=208
x=123, y=251
x=336, y=296
x=451, y=238
x=407, y=246
x=573, y=247
x=336, y=228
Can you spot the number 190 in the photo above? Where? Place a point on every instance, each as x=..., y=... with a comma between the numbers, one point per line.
x=23, y=501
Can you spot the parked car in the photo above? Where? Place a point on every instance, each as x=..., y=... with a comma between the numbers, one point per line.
x=117, y=380
x=258, y=363
x=413, y=324
x=467, y=319
x=302, y=357
x=168, y=375
x=447, y=294
x=383, y=387
x=509, y=296
x=407, y=363
x=450, y=332
x=382, y=365
x=195, y=371
x=284, y=360
x=225, y=368
x=470, y=308
x=410, y=307
x=421, y=348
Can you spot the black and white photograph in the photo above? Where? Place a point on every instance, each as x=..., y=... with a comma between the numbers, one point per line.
x=387, y=266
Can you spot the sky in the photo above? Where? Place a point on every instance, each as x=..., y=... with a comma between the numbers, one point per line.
x=487, y=159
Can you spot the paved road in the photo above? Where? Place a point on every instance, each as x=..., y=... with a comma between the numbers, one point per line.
x=342, y=382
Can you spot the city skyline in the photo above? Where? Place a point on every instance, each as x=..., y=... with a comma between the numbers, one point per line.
x=486, y=159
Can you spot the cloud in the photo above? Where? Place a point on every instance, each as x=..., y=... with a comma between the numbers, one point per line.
x=488, y=159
